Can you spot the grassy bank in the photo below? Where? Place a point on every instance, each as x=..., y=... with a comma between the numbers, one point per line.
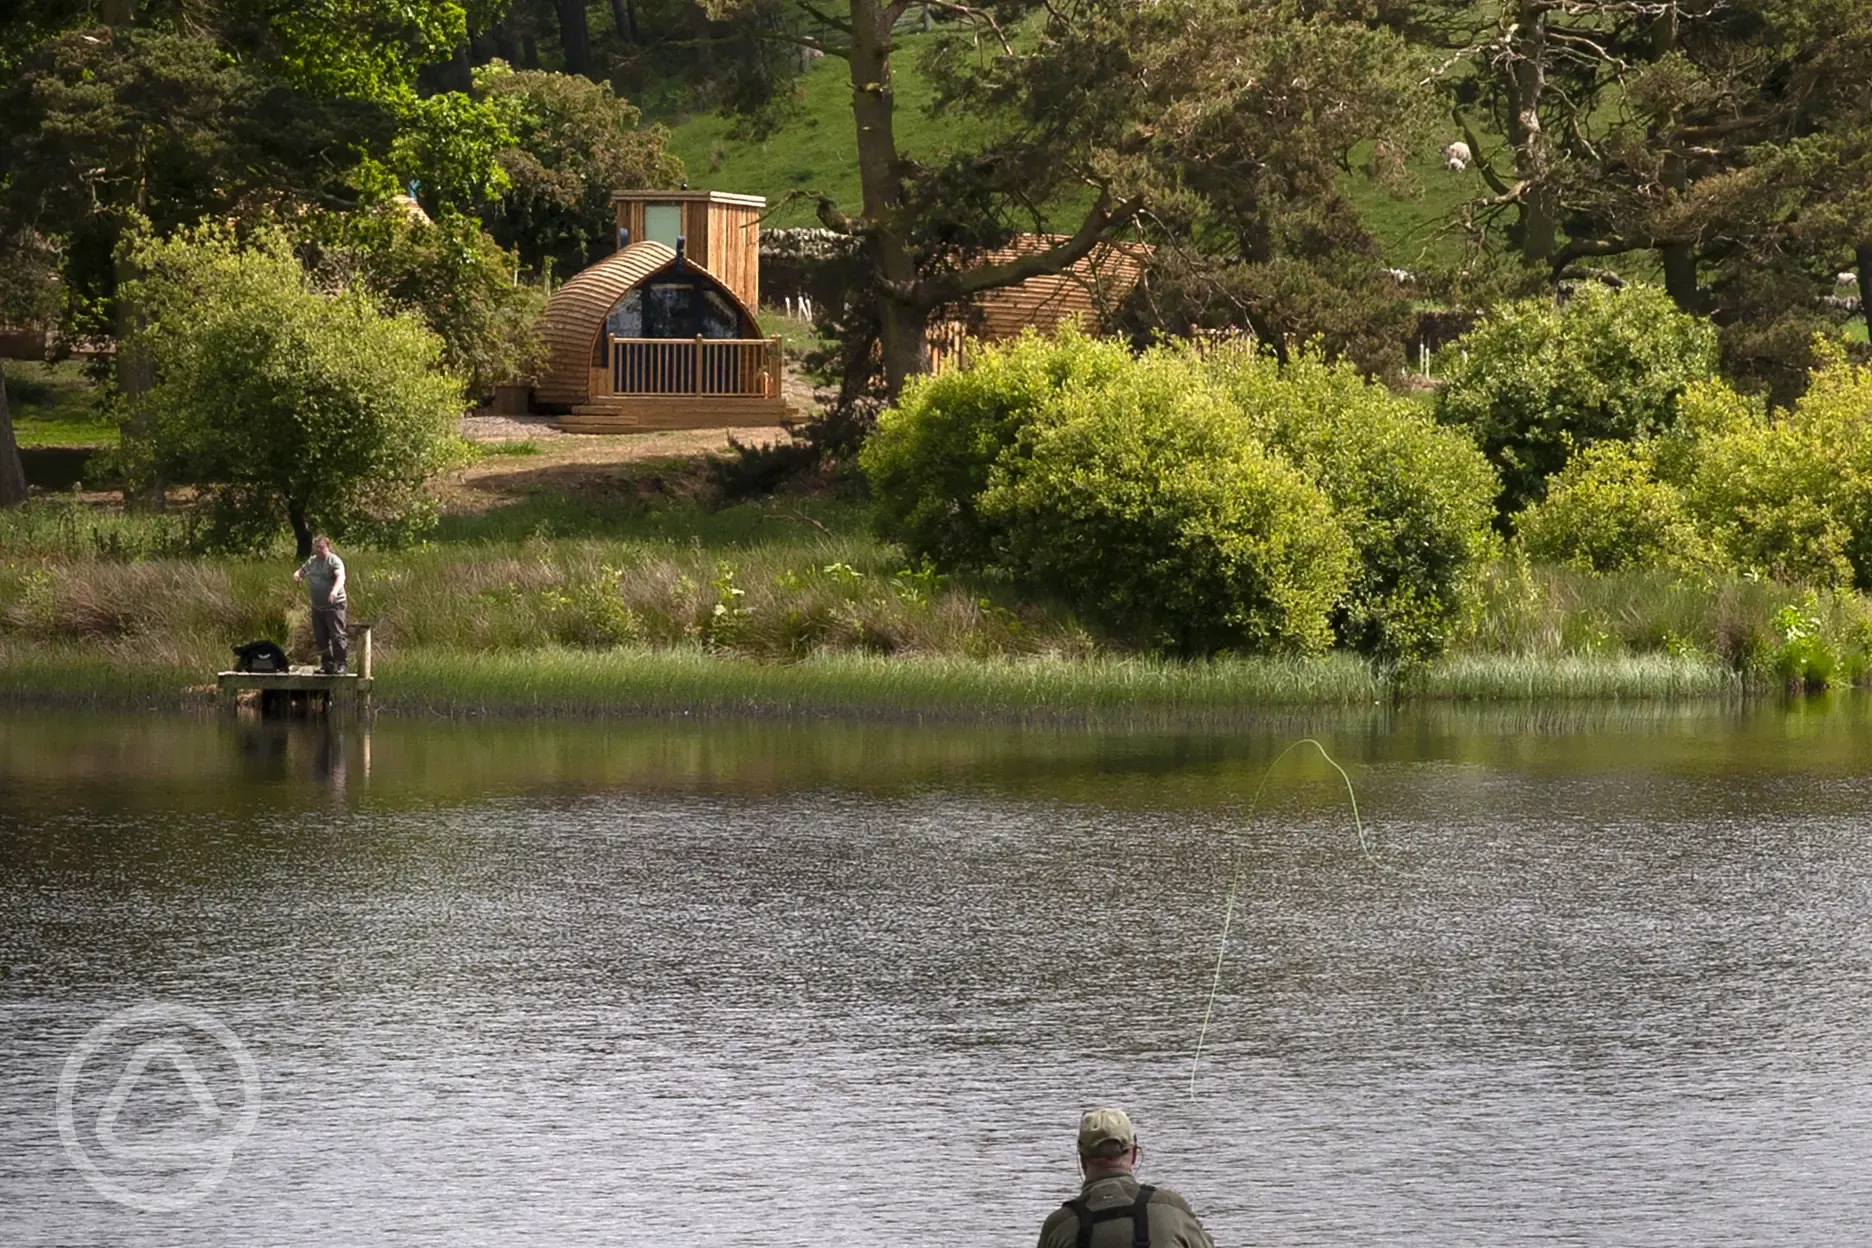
x=640, y=602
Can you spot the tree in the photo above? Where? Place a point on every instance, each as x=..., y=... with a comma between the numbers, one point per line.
x=1536, y=384
x=12, y=472
x=1082, y=114
x=448, y=272
x=1730, y=139
x=1259, y=115
x=290, y=408
x=574, y=142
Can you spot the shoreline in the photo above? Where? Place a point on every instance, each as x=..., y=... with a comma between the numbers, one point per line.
x=693, y=683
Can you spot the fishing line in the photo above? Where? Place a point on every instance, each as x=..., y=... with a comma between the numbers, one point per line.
x=1228, y=912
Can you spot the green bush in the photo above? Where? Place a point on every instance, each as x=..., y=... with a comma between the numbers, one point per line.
x=930, y=458
x=1415, y=498
x=1791, y=497
x=1146, y=502
x=289, y=407
x=1606, y=511
x=1534, y=383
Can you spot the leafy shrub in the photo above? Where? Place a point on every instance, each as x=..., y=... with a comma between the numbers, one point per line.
x=931, y=456
x=1415, y=498
x=1535, y=383
x=1791, y=498
x=451, y=274
x=288, y=406
x=1145, y=501
x=1606, y=512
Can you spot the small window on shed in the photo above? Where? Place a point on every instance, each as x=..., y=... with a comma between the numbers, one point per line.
x=663, y=223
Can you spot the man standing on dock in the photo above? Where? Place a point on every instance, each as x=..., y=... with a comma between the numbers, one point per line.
x=324, y=576
x=1114, y=1210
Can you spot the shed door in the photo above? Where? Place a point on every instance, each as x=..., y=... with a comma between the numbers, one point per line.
x=663, y=223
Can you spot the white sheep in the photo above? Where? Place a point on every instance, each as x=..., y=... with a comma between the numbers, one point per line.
x=1456, y=156
x=1846, y=279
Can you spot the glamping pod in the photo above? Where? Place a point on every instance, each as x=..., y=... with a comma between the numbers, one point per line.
x=650, y=338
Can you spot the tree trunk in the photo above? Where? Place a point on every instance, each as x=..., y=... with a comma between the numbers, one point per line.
x=135, y=377
x=505, y=45
x=624, y=19
x=1680, y=276
x=901, y=325
x=1679, y=259
x=1862, y=256
x=529, y=51
x=1527, y=73
x=575, y=36
x=302, y=530
x=12, y=472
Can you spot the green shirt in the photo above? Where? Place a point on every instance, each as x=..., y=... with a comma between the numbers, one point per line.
x=1172, y=1223
x=321, y=574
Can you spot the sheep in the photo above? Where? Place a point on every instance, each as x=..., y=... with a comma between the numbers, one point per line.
x=1456, y=156
x=1846, y=279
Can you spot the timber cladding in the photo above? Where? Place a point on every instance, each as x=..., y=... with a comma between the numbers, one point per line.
x=576, y=311
x=1090, y=291
x=721, y=232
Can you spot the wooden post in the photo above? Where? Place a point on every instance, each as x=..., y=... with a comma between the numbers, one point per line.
x=364, y=654
x=699, y=388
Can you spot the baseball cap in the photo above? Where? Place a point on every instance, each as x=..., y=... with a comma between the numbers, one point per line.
x=1105, y=1126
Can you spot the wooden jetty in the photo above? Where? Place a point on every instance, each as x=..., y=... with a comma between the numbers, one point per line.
x=305, y=690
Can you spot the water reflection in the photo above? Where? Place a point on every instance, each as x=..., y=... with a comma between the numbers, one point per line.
x=600, y=983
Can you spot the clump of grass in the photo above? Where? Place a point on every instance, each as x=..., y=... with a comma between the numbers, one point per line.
x=635, y=681
x=1511, y=677
x=475, y=451
x=66, y=528
x=1764, y=632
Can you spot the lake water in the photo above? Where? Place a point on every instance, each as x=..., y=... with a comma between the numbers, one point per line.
x=1604, y=978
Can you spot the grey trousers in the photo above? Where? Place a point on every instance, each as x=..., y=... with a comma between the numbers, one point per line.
x=328, y=633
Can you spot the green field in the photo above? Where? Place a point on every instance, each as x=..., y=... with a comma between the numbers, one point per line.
x=55, y=405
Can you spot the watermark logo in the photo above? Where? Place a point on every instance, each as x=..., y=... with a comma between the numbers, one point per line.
x=183, y=1093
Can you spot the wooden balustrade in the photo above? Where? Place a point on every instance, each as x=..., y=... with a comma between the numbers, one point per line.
x=727, y=367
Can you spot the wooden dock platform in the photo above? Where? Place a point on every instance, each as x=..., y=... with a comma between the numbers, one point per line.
x=301, y=690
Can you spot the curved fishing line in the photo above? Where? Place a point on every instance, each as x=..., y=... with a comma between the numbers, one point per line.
x=1228, y=912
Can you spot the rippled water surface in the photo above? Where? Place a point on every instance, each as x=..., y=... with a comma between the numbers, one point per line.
x=1605, y=978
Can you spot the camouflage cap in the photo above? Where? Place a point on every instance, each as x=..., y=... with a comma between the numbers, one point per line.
x=1103, y=1127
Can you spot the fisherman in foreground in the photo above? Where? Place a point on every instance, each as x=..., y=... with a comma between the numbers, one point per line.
x=1114, y=1210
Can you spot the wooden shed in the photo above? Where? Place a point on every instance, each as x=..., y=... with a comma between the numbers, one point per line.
x=648, y=339
x=722, y=231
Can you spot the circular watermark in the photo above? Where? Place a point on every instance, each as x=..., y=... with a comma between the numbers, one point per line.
x=171, y=1169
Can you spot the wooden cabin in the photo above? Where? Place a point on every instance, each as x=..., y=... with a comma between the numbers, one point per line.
x=1089, y=292
x=661, y=334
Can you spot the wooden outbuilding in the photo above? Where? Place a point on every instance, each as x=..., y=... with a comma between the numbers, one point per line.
x=647, y=338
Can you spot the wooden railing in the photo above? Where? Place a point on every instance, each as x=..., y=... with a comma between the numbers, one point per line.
x=730, y=367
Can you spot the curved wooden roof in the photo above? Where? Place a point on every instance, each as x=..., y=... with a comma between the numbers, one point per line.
x=576, y=310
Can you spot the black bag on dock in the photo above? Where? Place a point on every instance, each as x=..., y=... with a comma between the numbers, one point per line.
x=259, y=656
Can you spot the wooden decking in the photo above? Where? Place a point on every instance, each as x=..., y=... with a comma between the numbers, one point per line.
x=303, y=689
x=642, y=385
x=645, y=413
